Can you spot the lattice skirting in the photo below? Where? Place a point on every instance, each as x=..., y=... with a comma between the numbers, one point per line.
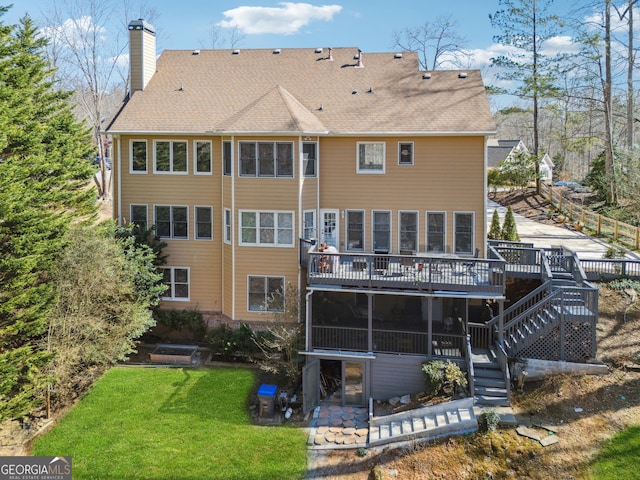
x=579, y=344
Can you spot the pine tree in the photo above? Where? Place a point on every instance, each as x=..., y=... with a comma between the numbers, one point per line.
x=44, y=178
x=495, y=232
x=509, y=229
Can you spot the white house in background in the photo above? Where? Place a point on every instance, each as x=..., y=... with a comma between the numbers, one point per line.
x=500, y=150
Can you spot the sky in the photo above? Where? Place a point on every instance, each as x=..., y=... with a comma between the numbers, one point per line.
x=366, y=24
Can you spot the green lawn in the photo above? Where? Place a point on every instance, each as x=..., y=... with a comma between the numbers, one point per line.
x=173, y=423
x=619, y=458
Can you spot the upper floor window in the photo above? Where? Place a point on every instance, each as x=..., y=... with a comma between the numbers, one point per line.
x=436, y=232
x=371, y=157
x=139, y=216
x=309, y=224
x=177, y=281
x=227, y=225
x=171, y=222
x=266, y=159
x=203, y=223
x=226, y=158
x=203, y=160
x=309, y=155
x=355, y=230
x=266, y=228
x=405, y=153
x=381, y=231
x=463, y=229
x=170, y=156
x=409, y=231
x=138, y=156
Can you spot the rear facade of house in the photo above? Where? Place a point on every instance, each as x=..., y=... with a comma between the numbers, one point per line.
x=249, y=162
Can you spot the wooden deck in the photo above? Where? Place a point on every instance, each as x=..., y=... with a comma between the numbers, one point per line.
x=419, y=272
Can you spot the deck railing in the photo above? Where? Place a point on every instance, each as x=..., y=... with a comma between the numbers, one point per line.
x=389, y=341
x=416, y=272
x=609, y=269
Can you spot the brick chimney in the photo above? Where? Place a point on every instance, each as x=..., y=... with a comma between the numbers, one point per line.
x=142, y=54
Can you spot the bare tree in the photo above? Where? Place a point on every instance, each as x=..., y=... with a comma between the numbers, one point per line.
x=90, y=44
x=217, y=39
x=437, y=43
x=622, y=14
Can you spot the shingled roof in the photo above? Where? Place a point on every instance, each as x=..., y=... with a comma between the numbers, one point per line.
x=304, y=91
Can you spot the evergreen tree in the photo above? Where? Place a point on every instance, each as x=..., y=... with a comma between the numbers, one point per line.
x=509, y=229
x=495, y=232
x=44, y=178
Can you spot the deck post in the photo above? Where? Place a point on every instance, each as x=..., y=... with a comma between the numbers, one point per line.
x=430, y=327
x=370, y=322
x=309, y=342
x=500, y=323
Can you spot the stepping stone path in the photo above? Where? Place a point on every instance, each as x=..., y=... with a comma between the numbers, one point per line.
x=335, y=426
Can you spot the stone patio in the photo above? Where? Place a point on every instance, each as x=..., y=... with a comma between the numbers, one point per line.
x=334, y=426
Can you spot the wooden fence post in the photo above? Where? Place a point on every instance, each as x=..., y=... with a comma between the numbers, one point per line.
x=599, y=224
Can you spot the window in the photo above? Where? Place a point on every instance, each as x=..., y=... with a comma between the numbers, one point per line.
x=405, y=153
x=138, y=156
x=177, y=281
x=266, y=294
x=355, y=230
x=309, y=152
x=309, y=224
x=204, y=223
x=226, y=158
x=409, y=231
x=463, y=233
x=203, y=160
x=170, y=157
x=436, y=232
x=370, y=157
x=266, y=228
x=266, y=159
x=227, y=225
x=139, y=216
x=381, y=231
x=171, y=222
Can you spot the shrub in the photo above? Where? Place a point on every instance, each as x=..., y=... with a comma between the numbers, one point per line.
x=187, y=321
x=495, y=232
x=509, y=228
x=489, y=421
x=443, y=377
x=229, y=342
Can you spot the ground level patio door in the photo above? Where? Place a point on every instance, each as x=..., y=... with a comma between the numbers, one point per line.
x=343, y=382
x=310, y=385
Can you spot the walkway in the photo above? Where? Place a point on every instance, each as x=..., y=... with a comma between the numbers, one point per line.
x=544, y=236
x=334, y=426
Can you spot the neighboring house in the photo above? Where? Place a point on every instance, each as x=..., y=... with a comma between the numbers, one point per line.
x=246, y=161
x=499, y=151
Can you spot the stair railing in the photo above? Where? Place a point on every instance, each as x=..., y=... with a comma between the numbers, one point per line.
x=503, y=361
x=470, y=372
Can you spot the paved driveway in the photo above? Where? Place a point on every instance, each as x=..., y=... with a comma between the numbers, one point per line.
x=542, y=235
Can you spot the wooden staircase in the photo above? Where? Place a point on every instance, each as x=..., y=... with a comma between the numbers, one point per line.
x=489, y=387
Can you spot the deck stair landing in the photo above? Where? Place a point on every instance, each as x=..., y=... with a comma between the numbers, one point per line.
x=489, y=384
x=451, y=418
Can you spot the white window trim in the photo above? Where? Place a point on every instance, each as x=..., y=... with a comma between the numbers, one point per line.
x=249, y=309
x=315, y=161
x=224, y=142
x=146, y=208
x=268, y=245
x=426, y=230
x=172, y=297
x=315, y=223
x=417, y=214
x=412, y=154
x=146, y=163
x=195, y=157
x=227, y=234
x=275, y=160
x=373, y=212
x=171, y=171
x=346, y=230
x=195, y=223
x=384, y=158
x=172, y=207
x=473, y=232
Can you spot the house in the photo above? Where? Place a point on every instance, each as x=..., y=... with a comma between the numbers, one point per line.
x=499, y=151
x=354, y=177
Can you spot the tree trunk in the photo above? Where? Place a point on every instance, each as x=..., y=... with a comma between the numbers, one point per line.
x=612, y=197
x=630, y=93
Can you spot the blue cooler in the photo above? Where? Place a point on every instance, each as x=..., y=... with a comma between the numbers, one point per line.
x=267, y=399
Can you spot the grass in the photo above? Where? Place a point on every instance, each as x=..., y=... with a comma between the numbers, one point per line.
x=160, y=423
x=619, y=457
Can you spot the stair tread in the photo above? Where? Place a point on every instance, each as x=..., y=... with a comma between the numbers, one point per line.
x=490, y=382
x=491, y=391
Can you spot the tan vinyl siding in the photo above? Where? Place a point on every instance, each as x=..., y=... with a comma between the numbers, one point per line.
x=447, y=175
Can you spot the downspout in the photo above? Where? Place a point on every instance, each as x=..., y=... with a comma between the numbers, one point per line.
x=300, y=214
x=486, y=192
x=233, y=229
x=119, y=170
